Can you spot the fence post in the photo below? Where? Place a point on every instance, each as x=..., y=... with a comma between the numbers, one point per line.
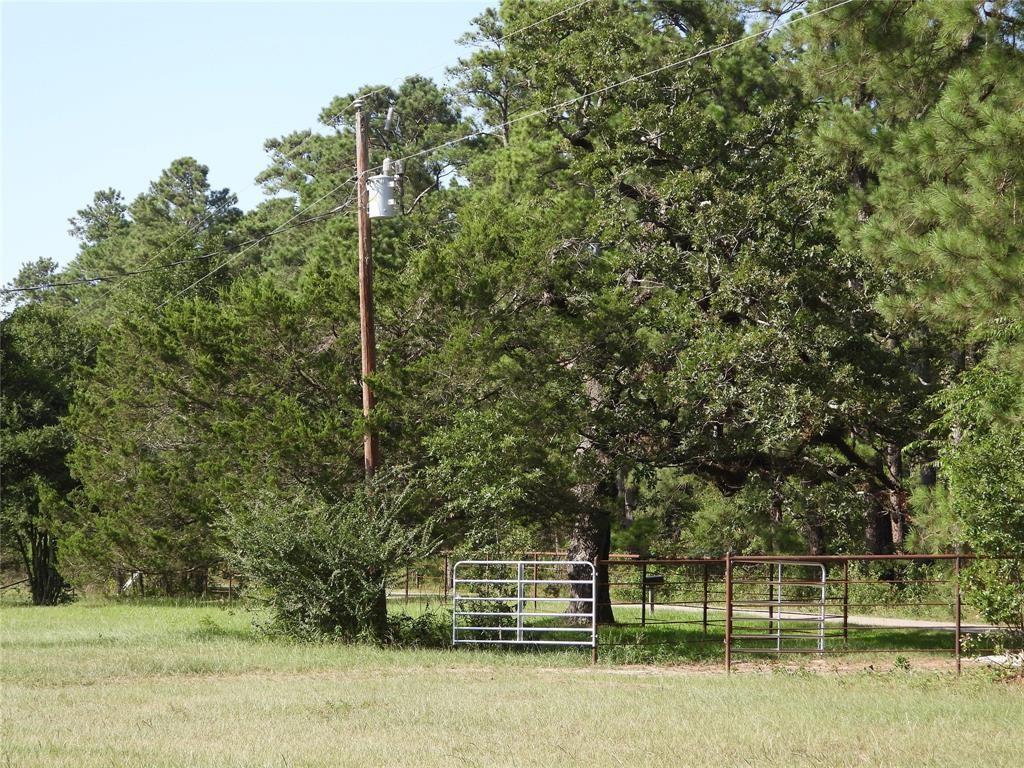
x=407, y=585
x=956, y=610
x=705, y=609
x=593, y=616
x=728, y=612
x=771, y=600
x=846, y=601
x=643, y=594
x=444, y=578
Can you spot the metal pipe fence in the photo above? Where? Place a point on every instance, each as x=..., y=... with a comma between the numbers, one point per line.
x=828, y=605
x=430, y=580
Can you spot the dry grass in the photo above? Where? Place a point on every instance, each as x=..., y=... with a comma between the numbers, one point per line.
x=157, y=685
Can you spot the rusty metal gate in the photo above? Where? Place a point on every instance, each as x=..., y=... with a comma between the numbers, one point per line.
x=524, y=602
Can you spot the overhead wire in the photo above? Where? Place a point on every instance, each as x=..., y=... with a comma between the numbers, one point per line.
x=537, y=23
x=534, y=113
x=242, y=252
x=604, y=89
x=277, y=230
x=168, y=265
x=290, y=155
x=505, y=36
x=191, y=230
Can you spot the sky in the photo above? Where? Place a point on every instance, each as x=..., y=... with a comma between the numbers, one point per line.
x=98, y=95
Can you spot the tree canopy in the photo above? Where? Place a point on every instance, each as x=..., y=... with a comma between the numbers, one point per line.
x=658, y=282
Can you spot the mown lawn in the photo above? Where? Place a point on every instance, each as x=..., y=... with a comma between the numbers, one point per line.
x=136, y=684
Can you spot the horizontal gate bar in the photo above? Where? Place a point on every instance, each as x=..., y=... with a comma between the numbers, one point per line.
x=549, y=614
x=524, y=581
x=586, y=643
x=516, y=599
x=784, y=582
x=460, y=628
x=776, y=603
x=531, y=563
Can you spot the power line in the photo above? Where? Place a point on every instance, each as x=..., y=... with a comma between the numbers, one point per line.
x=504, y=37
x=290, y=155
x=237, y=256
x=562, y=12
x=178, y=262
x=189, y=231
x=631, y=79
x=242, y=252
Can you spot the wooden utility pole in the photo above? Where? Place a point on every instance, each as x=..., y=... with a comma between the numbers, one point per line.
x=367, y=337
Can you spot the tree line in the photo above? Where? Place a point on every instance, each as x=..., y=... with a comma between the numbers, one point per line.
x=769, y=300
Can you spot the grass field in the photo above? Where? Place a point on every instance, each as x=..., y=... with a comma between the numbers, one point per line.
x=136, y=684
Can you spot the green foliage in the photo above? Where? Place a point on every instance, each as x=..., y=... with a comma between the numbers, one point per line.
x=996, y=589
x=714, y=308
x=323, y=567
x=984, y=465
x=926, y=123
x=41, y=345
x=432, y=629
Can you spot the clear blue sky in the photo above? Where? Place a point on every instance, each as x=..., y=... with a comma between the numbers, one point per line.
x=100, y=95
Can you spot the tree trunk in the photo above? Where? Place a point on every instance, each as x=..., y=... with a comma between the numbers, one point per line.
x=897, y=500
x=929, y=475
x=48, y=586
x=197, y=582
x=591, y=539
x=629, y=494
x=877, y=528
x=814, y=530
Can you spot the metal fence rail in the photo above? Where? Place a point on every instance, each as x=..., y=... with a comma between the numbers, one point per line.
x=724, y=608
x=496, y=602
x=783, y=605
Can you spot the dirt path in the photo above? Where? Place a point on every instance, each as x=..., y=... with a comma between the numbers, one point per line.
x=881, y=622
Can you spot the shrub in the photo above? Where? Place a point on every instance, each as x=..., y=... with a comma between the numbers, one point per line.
x=996, y=589
x=323, y=567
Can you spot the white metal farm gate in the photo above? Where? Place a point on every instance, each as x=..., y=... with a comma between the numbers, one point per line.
x=795, y=606
x=524, y=602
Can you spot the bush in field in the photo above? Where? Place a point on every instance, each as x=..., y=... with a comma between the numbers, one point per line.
x=323, y=567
